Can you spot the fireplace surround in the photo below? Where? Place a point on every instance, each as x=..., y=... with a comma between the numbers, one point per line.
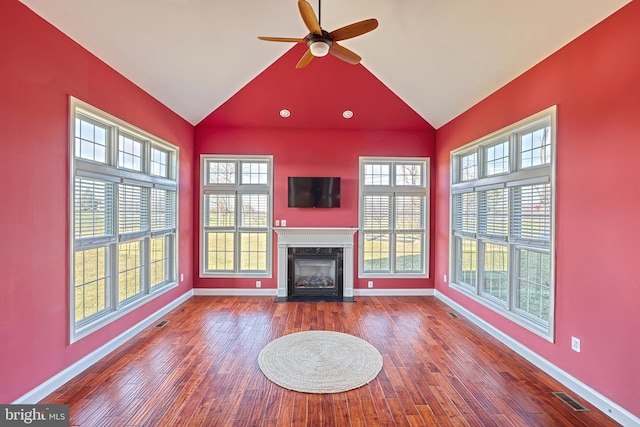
x=319, y=240
x=314, y=273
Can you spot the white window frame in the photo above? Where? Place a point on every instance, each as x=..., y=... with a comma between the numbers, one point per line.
x=110, y=172
x=393, y=190
x=469, y=228
x=236, y=189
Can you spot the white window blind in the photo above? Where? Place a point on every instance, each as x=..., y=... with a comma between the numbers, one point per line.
x=94, y=207
x=133, y=209
x=494, y=218
x=531, y=213
x=163, y=210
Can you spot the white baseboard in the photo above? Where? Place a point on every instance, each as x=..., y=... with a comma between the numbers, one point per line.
x=272, y=292
x=606, y=405
x=62, y=377
x=372, y=292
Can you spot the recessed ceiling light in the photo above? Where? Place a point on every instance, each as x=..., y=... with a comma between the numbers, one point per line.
x=285, y=113
x=347, y=114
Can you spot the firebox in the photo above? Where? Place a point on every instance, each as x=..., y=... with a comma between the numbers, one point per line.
x=315, y=273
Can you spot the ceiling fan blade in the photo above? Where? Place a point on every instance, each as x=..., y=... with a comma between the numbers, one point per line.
x=345, y=54
x=354, y=30
x=282, y=39
x=306, y=58
x=309, y=17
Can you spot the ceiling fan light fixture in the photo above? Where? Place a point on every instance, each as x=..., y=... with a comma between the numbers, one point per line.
x=319, y=48
x=320, y=42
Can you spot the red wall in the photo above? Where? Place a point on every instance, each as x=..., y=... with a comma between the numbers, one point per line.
x=39, y=69
x=595, y=83
x=306, y=153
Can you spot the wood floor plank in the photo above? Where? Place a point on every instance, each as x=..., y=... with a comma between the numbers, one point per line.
x=201, y=370
x=301, y=410
x=342, y=412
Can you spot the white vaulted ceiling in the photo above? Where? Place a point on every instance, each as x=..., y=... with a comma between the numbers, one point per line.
x=439, y=56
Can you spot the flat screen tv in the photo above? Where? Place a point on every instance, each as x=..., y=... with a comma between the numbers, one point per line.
x=314, y=192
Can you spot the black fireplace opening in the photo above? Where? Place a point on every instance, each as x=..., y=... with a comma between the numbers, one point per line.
x=315, y=274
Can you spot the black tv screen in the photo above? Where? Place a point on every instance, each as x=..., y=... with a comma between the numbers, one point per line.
x=314, y=192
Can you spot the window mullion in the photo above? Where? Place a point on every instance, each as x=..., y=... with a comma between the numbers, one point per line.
x=514, y=265
x=514, y=152
x=393, y=231
x=115, y=253
x=113, y=273
x=480, y=265
x=146, y=243
x=236, y=229
x=113, y=146
x=146, y=265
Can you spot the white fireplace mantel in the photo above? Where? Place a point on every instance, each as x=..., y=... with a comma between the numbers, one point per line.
x=316, y=237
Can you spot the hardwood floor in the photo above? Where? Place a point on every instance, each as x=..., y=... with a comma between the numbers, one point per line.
x=201, y=370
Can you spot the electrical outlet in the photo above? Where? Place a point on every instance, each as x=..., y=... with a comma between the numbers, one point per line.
x=575, y=344
x=370, y=283
x=283, y=222
x=277, y=223
x=258, y=284
x=445, y=278
x=182, y=277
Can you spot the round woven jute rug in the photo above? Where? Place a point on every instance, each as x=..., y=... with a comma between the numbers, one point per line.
x=320, y=362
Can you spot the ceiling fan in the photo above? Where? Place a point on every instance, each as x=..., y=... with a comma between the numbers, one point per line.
x=321, y=42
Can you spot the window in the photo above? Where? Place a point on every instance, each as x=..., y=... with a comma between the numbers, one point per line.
x=236, y=216
x=393, y=217
x=123, y=218
x=502, y=211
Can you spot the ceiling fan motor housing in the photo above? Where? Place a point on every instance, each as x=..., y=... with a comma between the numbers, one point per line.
x=314, y=39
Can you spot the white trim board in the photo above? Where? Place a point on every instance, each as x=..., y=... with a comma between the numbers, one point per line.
x=62, y=377
x=606, y=405
x=272, y=292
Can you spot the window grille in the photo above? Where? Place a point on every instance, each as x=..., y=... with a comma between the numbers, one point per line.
x=236, y=216
x=393, y=217
x=502, y=208
x=123, y=218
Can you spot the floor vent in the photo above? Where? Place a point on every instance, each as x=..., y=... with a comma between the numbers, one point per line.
x=574, y=404
x=452, y=315
x=161, y=324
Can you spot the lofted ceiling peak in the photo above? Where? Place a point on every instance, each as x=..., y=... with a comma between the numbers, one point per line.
x=439, y=56
x=316, y=97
